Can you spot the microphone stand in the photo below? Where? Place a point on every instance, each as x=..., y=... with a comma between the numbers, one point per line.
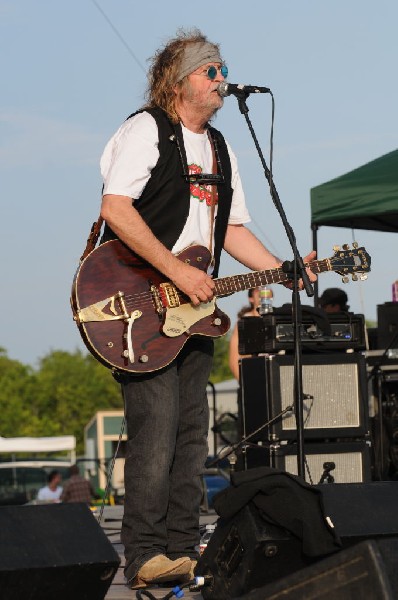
x=295, y=270
x=238, y=445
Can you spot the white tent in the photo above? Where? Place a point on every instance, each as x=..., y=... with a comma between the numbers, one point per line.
x=39, y=444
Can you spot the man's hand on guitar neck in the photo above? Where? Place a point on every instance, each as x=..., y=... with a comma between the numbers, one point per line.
x=312, y=277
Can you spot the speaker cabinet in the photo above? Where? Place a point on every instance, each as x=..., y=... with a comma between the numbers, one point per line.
x=351, y=460
x=54, y=552
x=247, y=552
x=387, y=325
x=367, y=570
x=334, y=386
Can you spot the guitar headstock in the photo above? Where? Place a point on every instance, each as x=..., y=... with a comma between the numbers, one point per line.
x=353, y=261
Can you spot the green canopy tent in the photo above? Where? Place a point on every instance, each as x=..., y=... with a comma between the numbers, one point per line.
x=365, y=198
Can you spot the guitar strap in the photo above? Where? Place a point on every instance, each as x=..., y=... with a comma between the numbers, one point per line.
x=92, y=238
x=214, y=198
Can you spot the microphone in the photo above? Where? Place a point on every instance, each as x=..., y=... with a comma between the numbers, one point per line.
x=226, y=89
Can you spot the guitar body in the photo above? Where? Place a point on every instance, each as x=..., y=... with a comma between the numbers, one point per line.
x=137, y=343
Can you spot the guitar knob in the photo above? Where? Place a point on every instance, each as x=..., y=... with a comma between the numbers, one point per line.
x=345, y=279
x=363, y=276
x=346, y=246
x=336, y=248
x=144, y=358
x=355, y=245
x=217, y=322
x=354, y=277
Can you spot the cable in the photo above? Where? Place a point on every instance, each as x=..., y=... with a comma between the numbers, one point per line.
x=271, y=140
x=140, y=593
x=194, y=585
x=110, y=472
x=125, y=44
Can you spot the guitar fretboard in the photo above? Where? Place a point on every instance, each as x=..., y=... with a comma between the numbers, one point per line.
x=238, y=283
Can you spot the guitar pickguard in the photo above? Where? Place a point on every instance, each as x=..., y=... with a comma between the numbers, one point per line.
x=178, y=320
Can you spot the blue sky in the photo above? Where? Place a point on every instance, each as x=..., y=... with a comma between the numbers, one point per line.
x=70, y=75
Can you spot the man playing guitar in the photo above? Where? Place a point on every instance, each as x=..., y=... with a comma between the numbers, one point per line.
x=171, y=181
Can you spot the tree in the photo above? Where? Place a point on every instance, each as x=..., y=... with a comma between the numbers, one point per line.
x=65, y=391
x=69, y=389
x=220, y=370
x=16, y=382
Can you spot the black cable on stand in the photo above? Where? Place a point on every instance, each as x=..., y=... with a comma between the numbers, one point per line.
x=295, y=271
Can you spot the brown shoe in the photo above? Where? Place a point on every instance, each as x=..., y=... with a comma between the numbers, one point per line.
x=159, y=569
x=191, y=575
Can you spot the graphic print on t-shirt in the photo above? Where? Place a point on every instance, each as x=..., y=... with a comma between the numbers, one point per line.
x=200, y=191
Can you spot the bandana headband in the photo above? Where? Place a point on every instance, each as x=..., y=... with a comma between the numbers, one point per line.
x=196, y=55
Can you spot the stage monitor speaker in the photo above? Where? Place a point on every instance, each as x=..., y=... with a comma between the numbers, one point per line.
x=387, y=325
x=246, y=552
x=335, y=390
x=54, y=552
x=351, y=460
x=367, y=570
x=241, y=555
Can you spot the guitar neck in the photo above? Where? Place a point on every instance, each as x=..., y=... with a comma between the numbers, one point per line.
x=225, y=286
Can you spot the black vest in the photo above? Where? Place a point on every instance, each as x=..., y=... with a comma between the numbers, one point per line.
x=164, y=202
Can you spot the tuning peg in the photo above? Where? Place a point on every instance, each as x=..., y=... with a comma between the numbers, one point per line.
x=354, y=277
x=336, y=248
x=355, y=245
x=346, y=246
x=363, y=277
x=345, y=279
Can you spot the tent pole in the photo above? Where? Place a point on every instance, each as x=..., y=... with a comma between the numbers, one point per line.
x=314, y=228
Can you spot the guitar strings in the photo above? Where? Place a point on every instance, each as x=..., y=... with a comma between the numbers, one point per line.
x=230, y=284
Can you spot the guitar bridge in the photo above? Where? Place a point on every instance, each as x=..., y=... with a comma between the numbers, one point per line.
x=169, y=295
x=95, y=312
x=157, y=300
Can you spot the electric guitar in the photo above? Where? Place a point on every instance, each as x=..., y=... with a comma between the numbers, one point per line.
x=133, y=321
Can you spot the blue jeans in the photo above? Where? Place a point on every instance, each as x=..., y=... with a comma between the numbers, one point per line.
x=167, y=418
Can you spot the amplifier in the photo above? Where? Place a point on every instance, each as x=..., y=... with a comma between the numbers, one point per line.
x=274, y=332
x=383, y=360
x=387, y=321
x=350, y=461
x=335, y=396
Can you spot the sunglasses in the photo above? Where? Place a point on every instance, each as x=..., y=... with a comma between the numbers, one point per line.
x=212, y=71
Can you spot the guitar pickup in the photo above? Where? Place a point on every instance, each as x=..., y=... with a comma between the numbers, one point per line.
x=96, y=312
x=169, y=295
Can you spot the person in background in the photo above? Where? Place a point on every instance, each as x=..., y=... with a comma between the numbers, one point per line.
x=77, y=488
x=247, y=311
x=52, y=491
x=334, y=300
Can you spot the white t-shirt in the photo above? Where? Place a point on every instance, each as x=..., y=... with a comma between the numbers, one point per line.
x=46, y=493
x=132, y=153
